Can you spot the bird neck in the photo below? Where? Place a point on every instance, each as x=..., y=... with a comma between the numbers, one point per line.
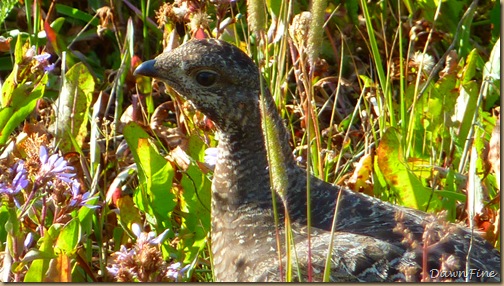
x=240, y=178
x=241, y=175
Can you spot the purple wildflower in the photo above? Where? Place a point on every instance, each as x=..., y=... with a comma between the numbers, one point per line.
x=28, y=241
x=78, y=199
x=49, y=67
x=150, y=237
x=43, y=61
x=113, y=270
x=54, y=166
x=42, y=57
x=173, y=271
x=123, y=258
x=124, y=254
x=18, y=179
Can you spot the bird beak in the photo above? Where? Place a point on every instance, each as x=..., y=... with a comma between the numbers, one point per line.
x=146, y=69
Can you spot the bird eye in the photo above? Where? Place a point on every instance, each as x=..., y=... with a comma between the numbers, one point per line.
x=206, y=78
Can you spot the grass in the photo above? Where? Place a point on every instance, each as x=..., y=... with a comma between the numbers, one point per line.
x=403, y=114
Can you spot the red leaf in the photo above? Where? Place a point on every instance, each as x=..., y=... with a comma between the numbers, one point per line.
x=52, y=36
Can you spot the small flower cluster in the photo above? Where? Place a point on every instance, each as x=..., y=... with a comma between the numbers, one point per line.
x=53, y=175
x=41, y=60
x=61, y=179
x=14, y=181
x=144, y=261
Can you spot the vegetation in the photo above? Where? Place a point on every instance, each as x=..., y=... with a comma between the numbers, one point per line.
x=103, y=175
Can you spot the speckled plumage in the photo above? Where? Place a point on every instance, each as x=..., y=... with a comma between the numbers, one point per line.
x=366, y=247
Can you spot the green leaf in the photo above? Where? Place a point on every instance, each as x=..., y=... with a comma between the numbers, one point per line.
x=449, y=196
x=442, y=100
x=452, y=195
x=196, y=148
x=13, y=80
x=472, y=62
x=274, y=7
x=22, y=103
x=495, y=18
x=464, y=45
x=466, y=103
x=57, y=24
x=195, y=208
x=76, y=14
x=34, y=254
x=4, y=217
x=352, y=8
x=402, y=181
x=5, y=8
x=73, y=106
x=69, y=237
x=155, y=174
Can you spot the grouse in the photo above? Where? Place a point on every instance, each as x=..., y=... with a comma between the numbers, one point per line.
x=222, y=82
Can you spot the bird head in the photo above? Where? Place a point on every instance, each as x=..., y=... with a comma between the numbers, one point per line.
x=218, y=78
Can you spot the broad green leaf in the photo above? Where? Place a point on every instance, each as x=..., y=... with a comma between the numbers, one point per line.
x=84, y=213
x=16, y=77
x=454, y=196
x=69, y=237
x=442, y=100
x=433, y=125
x=195, y=148
x=403, y=182
x=155, y=174
x=195, y=207
x=20, y=50
x=72, y=107
x=5, y=116
x=8, y=88
x=22, y=104
x=380, y=184
x=495, y=18
x=464, y=45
